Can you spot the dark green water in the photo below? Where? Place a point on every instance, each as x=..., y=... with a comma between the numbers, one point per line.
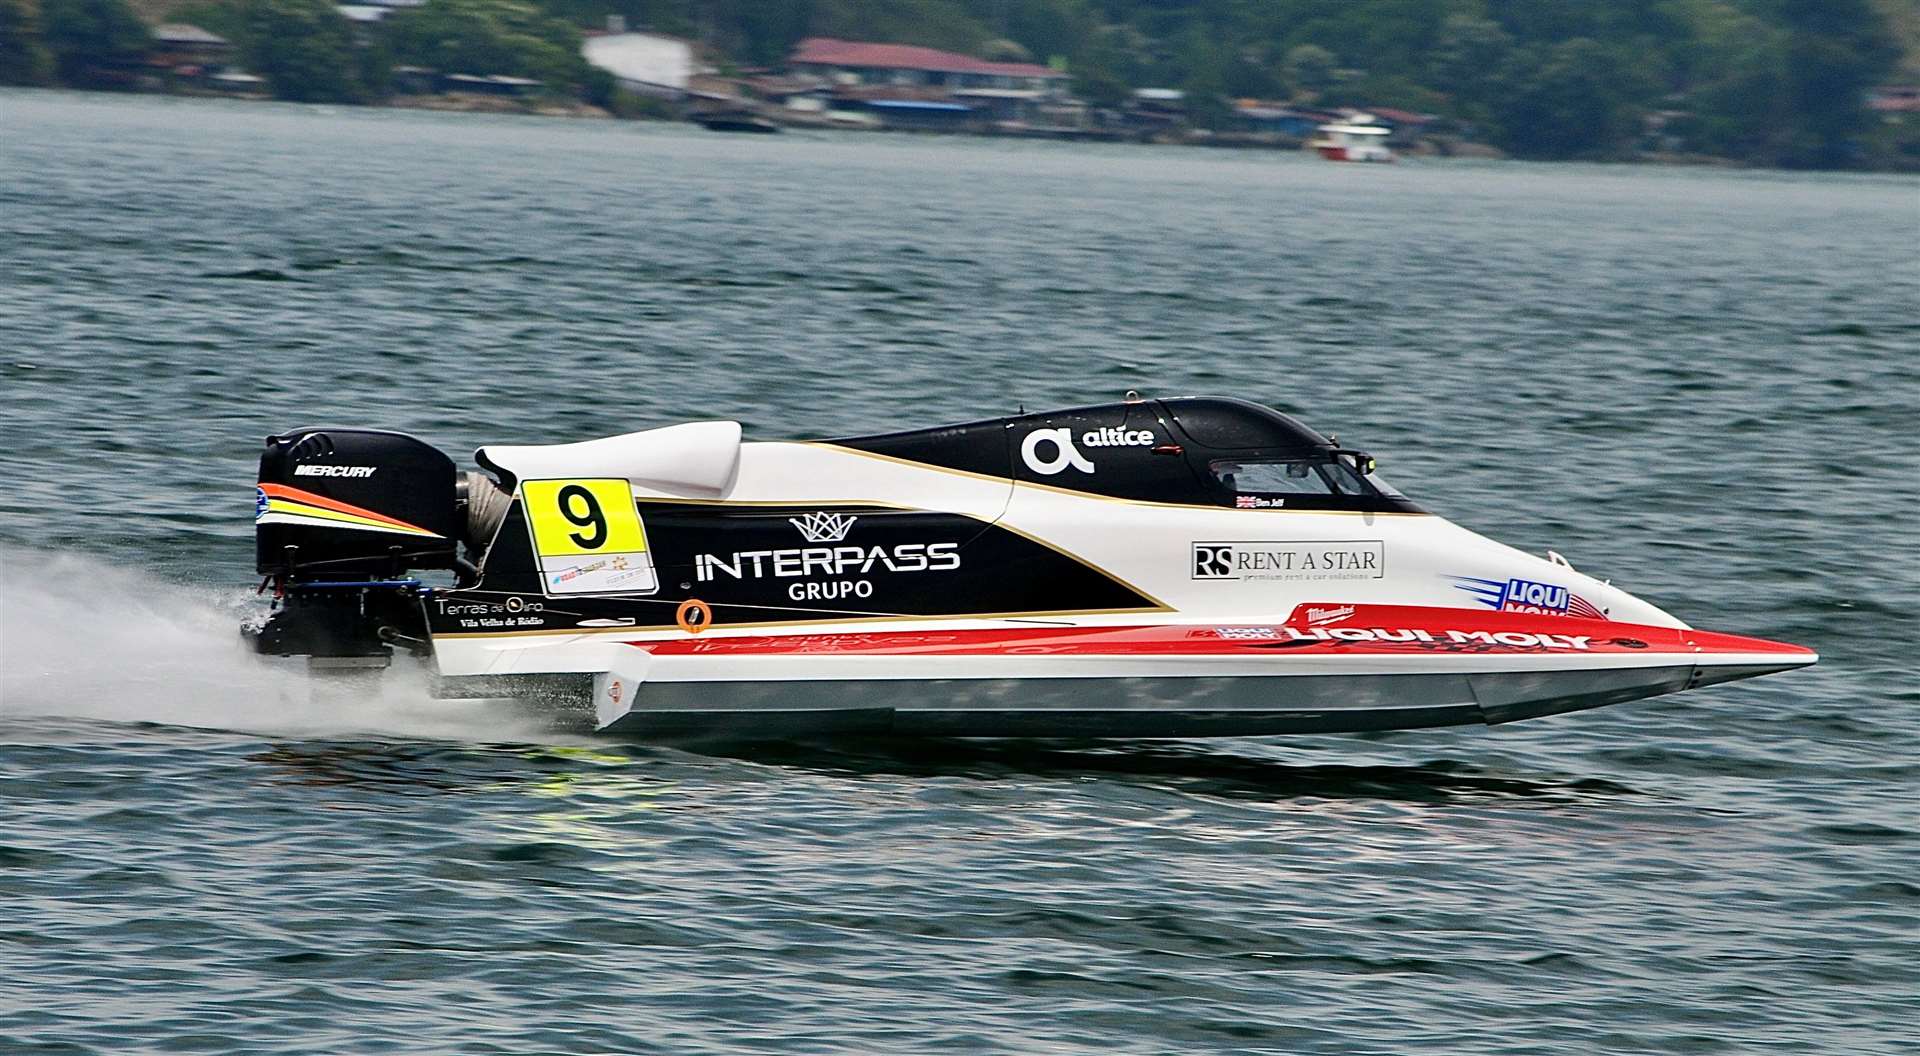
x=1702, y=384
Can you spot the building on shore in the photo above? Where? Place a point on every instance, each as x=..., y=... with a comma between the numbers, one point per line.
x=848, y=62
x=904, y=86
x=187, y=57
x=1894, y=99
x=648, y=64
x=177, y=44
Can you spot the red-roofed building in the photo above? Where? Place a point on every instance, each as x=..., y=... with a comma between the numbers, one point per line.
x=1895, y=99
x=853, y=62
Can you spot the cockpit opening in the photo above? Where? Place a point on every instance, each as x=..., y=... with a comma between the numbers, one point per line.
x=1320, y=474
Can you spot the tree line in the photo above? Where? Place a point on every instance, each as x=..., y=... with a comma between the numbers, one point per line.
x=307, y=50
x=1778, y=82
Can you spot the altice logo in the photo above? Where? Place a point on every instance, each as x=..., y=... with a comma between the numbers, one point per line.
x=1064, y=453
x=823, y=527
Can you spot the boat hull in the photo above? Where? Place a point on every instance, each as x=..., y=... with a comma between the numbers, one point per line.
x=1167, y=681
x=1333, y=152
x=1128, y=707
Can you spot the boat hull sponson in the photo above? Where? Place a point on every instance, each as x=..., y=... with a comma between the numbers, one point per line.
x=1419, y=668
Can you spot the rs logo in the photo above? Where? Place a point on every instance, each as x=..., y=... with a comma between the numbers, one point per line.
x=1213, y=560
x=1064, y=453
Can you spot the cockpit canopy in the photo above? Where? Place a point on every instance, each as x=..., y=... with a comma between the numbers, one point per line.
x=1206, y=451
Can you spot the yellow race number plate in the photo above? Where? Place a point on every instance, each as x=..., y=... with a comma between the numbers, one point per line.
x=588, y=536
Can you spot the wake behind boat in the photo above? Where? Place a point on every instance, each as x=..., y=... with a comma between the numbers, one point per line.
x=1163, y=568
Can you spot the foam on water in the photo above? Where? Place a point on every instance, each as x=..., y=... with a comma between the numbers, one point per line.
x=86, y=638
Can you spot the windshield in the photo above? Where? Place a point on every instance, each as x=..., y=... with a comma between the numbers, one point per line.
x=1299, y=476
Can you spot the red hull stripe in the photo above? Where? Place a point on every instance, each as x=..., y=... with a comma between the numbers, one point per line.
x=1354, y=630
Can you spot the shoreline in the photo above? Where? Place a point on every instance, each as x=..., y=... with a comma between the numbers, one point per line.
x=1447, y=148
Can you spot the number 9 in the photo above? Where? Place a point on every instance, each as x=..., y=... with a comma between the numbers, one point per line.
x=590, y=517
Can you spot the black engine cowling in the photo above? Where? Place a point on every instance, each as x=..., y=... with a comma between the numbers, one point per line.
x=341, y=517
x=353, y=503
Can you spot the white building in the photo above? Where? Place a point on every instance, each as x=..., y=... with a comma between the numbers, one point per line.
x=643, y=62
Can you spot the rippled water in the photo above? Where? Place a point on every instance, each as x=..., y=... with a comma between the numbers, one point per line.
x=1703, y=384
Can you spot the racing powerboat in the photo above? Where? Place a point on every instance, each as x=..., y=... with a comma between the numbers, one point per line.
x=1149, y=568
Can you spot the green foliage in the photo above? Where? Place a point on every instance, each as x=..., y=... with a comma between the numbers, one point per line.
x=1467, y=60
x=634, y=107
x=1835, y=51
x=304, y=48
x=228, y=18
x=1103, y=74
x=1895, y=144
x=934, y=23
x=509, y=37
x=86, y=36
x=1768, y=81
x=1563, y=102
x=1310, y=68
x=24, y=58
x=1903, y=18
x=1375, y=89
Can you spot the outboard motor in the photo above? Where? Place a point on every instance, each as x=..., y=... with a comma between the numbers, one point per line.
x=341, y=517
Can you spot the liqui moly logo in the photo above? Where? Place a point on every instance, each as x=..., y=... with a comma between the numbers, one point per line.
x=1512, y=639
x=1526, y=595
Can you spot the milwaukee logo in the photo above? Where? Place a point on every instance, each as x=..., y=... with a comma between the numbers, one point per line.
x=823, y=527
x=333, y=471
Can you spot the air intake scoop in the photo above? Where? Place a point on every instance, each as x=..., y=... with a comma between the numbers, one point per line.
x=698, y=458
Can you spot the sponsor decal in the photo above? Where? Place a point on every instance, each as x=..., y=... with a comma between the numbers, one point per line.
x=1526, y=595
x=333, y=471
x=1419, y=637
x=1113, y=436
x=823, y=527
x=1279, y=561
x=825, y=573
x=802, y=562
x=1332, y=615
x=493, y=615
x=1483, y=639
x=619, y=570
x=1064, y=453
x=260, y=504
x=1257, y=502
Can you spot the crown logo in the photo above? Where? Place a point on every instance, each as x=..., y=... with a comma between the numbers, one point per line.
x=823, y=527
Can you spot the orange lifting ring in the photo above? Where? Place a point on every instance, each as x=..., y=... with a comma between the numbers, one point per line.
x=693, y=616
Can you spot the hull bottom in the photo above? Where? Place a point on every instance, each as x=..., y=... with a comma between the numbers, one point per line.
x=1121, y=707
